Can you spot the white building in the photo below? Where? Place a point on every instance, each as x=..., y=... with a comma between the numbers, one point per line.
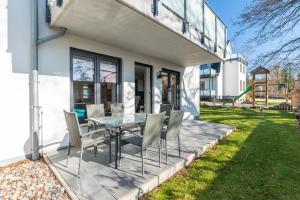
x=92, y=51
x=224, y=80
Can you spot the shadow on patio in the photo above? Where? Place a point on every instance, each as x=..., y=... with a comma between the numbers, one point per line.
x=100, y=180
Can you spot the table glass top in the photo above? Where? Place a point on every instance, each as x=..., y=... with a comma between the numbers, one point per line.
x=123, y=120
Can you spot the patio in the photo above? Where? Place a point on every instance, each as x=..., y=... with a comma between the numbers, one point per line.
x=100, y=180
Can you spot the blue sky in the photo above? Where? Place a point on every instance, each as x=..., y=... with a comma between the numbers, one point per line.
x=229, y=11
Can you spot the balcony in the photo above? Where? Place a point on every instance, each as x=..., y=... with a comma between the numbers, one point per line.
x=207, y=93
x=185, y=35
x=206, y=73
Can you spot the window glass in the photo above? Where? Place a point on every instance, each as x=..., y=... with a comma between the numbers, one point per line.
x=241, y=85
x=108, y=82
x=108, y=72
x=202, y=85
x=89, y=88
x=83, y=69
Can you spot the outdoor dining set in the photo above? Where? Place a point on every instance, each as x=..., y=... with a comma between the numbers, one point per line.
x=139, y=129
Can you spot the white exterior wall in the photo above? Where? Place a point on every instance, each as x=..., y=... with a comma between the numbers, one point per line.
x=219, y=82
x=54, y=80
x=232, y=77
x=14, y=79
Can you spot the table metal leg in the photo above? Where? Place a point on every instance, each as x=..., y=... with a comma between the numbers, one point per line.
x=116, y=151
x=120, y=148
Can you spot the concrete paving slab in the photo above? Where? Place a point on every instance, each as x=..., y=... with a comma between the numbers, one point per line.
x=100, y=180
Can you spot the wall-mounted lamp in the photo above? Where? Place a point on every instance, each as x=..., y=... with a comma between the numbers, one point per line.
x=159, y=74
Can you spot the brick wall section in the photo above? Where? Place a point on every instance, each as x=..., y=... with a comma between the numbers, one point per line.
x=295, y=95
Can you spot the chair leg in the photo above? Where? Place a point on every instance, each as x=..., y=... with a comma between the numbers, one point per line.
x=159, y=155
x=81, y=151
x=179, y=146
x=120, y=150
x=166, y=149
x=68, y=155
x=109, y=148
x=95, y=149
x=142, y=156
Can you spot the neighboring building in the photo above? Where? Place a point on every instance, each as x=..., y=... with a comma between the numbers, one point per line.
x=139, y=53
x=224, y=79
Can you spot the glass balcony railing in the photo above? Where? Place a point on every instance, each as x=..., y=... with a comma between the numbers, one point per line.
x=194, y=18
x=199, y=16
x=208, y=72
x=207, y=93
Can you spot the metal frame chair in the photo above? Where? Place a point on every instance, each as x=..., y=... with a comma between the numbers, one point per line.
x=151, y=135
x=94, y=110
x=82, y=140
x=166, y=108
x=173, y=130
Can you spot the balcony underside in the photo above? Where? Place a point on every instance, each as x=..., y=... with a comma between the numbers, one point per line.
x=113, y=23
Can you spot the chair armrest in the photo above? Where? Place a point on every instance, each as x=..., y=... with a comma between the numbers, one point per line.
x=83, y=125
x=134, y=133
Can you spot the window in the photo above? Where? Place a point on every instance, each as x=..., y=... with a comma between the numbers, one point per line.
x=202, y=85
x=83, y=83
x=244, y=69
x=108, y=82
x=241, y=68
x=241, y=85
x=244, y=85
x=95, y=79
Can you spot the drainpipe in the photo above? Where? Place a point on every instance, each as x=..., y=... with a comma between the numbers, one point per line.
x=33, y=90
x=33, y=86
x=60, y=33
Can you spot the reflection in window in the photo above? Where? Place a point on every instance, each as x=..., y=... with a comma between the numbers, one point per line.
x=202, y=85
x=83, y=69
x=108, y=82
x=94, y=80
x=83, y=84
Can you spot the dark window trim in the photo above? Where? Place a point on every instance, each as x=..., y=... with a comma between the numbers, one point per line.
x=178, y=84
x=151, y=82
x=97, y=57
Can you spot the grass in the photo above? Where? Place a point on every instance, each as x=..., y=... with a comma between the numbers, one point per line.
x=270, y=103
x=261, y=160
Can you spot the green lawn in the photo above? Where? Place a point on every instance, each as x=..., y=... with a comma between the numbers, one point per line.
x=261, y=160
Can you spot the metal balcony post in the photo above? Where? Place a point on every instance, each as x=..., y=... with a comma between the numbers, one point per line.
x=154, y=8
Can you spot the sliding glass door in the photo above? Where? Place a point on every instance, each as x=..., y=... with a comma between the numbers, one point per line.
x=95, y=79
x=171, y=88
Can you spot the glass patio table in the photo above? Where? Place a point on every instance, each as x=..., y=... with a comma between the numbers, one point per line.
x=119, y=123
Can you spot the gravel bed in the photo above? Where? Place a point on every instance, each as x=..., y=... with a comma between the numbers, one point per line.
x=30, y=180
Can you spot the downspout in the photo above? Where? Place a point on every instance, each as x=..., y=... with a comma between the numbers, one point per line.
x=33, y=90
x=33, y=86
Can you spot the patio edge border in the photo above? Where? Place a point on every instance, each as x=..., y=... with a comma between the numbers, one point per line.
x=173, y=170
x=62, y=181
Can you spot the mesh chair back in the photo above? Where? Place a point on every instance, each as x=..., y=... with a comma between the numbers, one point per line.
x=117, y=109
x=73, y=128
x=174, y=125
x=153, y=128
x=166, y=108
x=95, y=110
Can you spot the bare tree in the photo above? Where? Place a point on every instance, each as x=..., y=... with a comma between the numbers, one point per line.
x=275, y=22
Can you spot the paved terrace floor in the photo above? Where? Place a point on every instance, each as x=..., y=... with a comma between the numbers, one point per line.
x=100, y=180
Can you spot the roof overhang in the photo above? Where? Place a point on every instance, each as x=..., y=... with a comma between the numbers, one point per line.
x=114, y=23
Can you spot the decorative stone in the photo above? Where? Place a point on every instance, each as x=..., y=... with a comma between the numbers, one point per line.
x=30, y=180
